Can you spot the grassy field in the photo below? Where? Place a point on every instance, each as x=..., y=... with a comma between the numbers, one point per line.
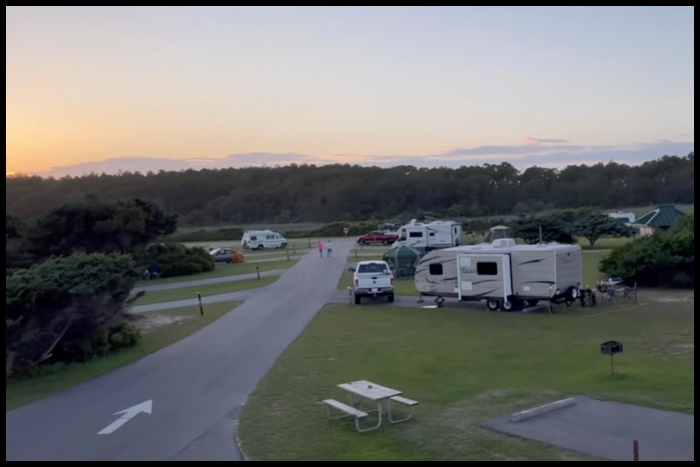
x=466, y=368
x=174, y=326
x=187, y=293
x=224, y=270
x=591, y=275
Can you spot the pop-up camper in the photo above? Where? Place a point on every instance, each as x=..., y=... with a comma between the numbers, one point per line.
x=430, y=236
x=506, y=275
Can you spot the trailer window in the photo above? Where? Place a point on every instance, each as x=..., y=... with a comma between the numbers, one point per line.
x=487, y=269
x=435, y=269
x=416, y=235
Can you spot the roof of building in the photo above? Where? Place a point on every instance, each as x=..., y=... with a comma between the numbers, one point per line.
x=661, y=217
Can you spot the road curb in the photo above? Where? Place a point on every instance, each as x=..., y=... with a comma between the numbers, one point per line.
x=240, y=448
x=244, y=456
x=542, y=410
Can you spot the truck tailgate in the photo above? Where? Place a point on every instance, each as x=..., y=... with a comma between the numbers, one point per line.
x=373, y=281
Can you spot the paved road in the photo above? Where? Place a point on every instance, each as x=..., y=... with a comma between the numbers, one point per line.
x=197, y=386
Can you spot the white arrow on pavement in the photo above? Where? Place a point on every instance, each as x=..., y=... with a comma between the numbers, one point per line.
x=127, y=415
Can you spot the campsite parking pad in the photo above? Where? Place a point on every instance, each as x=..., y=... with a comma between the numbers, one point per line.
x=608, y=430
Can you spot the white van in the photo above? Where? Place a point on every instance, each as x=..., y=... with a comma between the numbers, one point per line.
x=262, y=240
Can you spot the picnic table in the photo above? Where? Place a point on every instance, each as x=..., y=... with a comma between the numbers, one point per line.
x=383, y=398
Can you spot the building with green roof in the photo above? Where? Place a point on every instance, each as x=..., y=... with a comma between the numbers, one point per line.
x=662, y=218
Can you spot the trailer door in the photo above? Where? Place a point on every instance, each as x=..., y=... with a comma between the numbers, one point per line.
x=484, y=276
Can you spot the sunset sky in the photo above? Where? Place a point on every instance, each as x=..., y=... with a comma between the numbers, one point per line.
x=149, y=88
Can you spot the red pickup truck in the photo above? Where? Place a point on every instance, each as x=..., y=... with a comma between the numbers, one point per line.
x=377, y=236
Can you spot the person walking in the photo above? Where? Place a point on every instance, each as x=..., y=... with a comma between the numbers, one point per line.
x=320, y=248
x=329, y=249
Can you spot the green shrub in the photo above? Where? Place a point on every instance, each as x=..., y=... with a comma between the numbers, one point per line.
x=64, y=310
x=175, y=260
x=665, y=259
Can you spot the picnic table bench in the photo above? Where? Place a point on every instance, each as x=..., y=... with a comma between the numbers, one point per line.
x=383, y=397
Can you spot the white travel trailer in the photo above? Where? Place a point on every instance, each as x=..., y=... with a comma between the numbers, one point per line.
x=506, y=275
x=430, y=236
x=263, y=240
x=629, y=218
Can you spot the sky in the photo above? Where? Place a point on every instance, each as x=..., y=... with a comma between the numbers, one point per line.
x=104, y=89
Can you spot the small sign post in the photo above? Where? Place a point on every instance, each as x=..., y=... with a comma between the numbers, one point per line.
x=611, y=348
x=636, y=451
x=201, y=305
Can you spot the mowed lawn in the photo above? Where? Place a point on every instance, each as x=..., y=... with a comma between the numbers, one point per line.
x=178, y=324
x=466, y=367
x=591, y=275
x=187, y=293
x=224, y=270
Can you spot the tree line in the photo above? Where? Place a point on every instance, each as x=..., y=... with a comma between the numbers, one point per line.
x=308, y=193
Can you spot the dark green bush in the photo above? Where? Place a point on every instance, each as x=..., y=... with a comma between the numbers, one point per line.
x=66, y=309
x=665, y=259
x=174, y=259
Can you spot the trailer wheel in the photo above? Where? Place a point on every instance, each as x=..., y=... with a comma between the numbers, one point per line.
x=385, y=242
x=493, y=305
x=509, y=306
x=358, y=300
x=574, y=293
x=391, y=298
x=260, y=247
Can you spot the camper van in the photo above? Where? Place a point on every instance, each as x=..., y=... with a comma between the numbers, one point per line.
x=430, y=236
x=263, y=240
x=506, y=275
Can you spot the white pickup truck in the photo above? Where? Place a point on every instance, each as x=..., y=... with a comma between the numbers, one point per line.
x=373, y=279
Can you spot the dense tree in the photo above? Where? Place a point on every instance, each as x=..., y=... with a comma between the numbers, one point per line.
x=67, y=310
x=551, y=228
x=97, y=226
x=594, y=225
x=302, y=193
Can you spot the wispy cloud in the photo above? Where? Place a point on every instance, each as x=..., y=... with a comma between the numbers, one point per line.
x=548, y=152
x=531, y=140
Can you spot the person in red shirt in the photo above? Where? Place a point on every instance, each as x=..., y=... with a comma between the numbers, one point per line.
x=320, y=248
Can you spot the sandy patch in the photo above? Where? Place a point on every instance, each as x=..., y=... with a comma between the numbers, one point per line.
x=147, y=324
x=671, y=300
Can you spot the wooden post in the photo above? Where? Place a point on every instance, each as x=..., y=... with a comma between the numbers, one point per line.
x=201, y=305
x=257, y=269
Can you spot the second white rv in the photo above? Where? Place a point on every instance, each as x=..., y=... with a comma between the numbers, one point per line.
x=430, y=236
x=507, y=276
x=263, y=240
